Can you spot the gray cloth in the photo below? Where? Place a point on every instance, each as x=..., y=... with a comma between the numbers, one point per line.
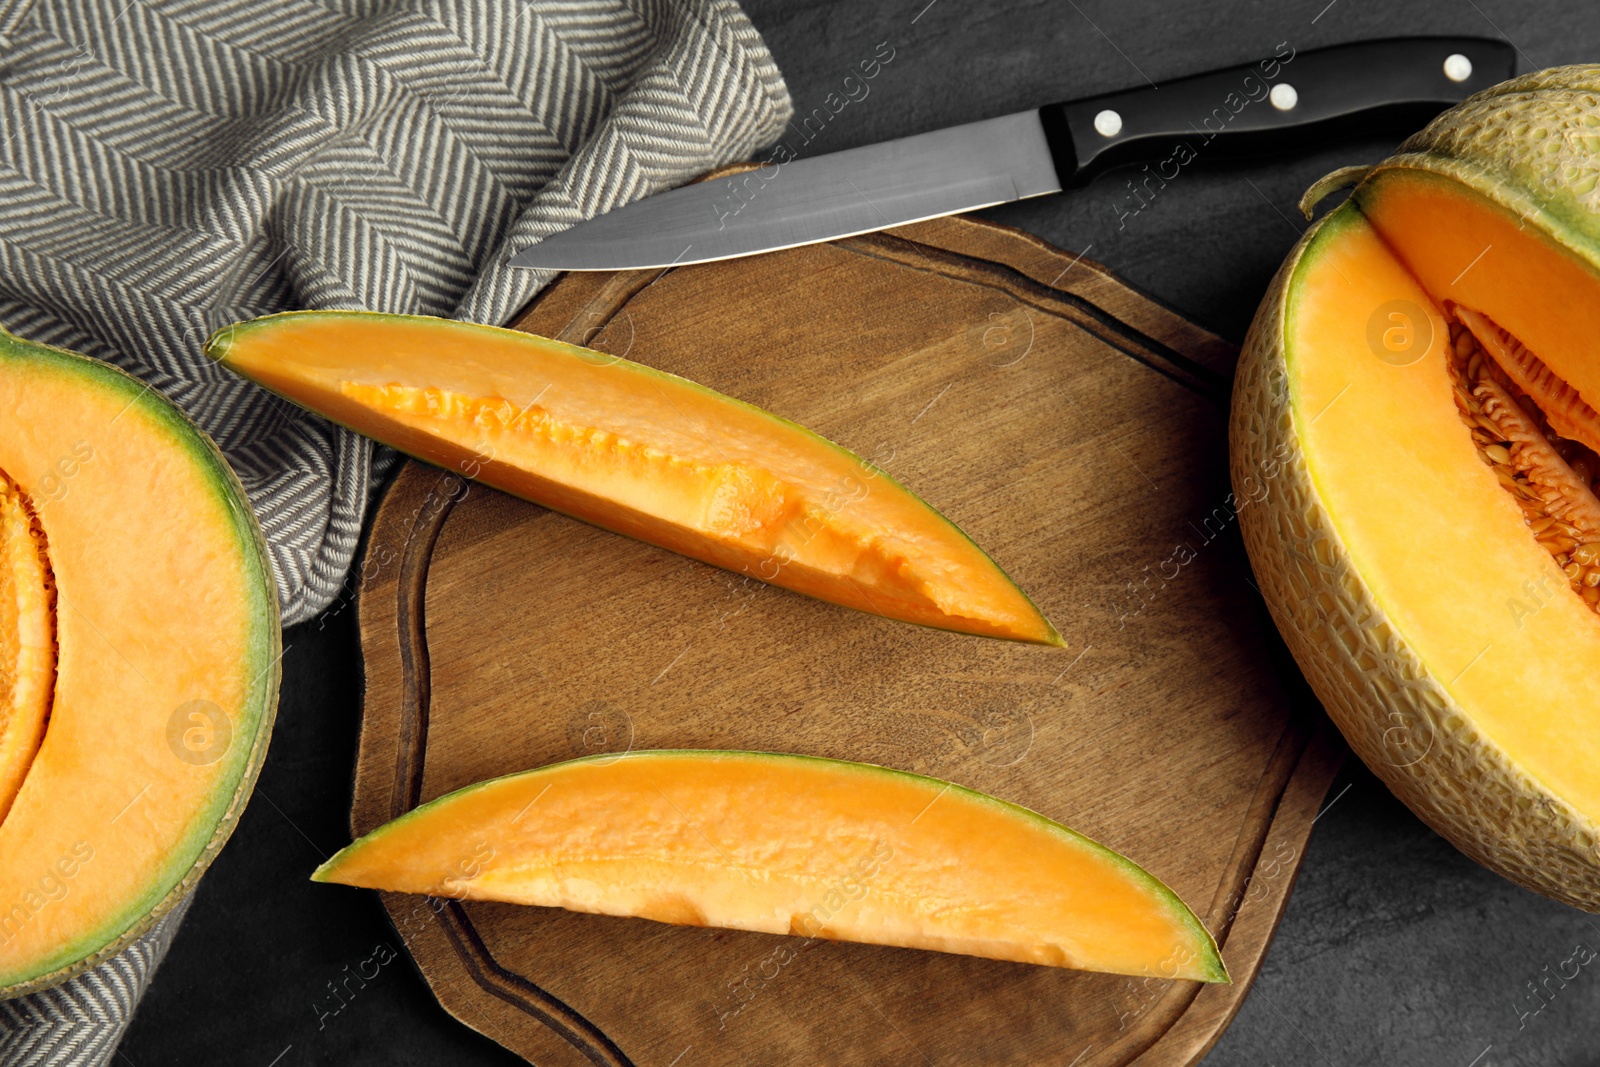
x=170, y=167
x=80, y=1022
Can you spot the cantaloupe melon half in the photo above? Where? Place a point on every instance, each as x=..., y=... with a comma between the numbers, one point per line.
x=1414, y=443
x=790, y=845
x=647, y=454
x=141, y=607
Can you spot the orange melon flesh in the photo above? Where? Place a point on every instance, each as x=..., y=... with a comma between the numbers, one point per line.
x=1464, y=249
x=646, y=454
x=162, y=598
x=27, y=640
x=790, y=845
x=1441, y=545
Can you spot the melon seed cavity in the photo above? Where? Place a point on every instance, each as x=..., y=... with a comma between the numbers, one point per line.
x=1538, y=435
x=27, y=638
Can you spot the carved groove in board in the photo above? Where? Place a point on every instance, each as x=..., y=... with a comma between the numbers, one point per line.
x=1095, y=320
x=411, y=628
x=1275, y=778
x=526, y=997
x=1247, y=852
x=598, y=311
x=410, y=622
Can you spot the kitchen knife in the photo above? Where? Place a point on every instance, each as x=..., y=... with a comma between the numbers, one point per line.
x=1270, y=105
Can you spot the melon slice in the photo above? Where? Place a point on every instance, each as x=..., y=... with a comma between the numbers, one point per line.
x=647, y=454
x=790, y=845
x=139, y=629
x=1415, y=433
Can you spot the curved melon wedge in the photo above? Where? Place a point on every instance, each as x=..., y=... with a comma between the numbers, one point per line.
x=788, y=844
x=640, y=452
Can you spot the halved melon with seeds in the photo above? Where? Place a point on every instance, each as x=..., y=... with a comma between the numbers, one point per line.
x=647, y=454
x=1415, y=427
x=139, y=640
x=790, y=845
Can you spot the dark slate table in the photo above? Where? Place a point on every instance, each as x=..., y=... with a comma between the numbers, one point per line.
x=1395, y=948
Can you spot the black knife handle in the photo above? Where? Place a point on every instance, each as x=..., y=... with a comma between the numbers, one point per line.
x=1287, y=99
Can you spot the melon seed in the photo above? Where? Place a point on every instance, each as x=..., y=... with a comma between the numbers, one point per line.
x=1549, y=475
x=1567, y=412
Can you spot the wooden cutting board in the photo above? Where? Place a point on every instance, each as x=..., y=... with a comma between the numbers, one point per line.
x=1077, y=431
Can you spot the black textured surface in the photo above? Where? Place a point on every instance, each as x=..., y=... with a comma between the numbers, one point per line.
x=1395, y=948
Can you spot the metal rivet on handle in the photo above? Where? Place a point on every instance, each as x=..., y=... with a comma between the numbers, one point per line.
x=1283, y=96
x=1457, y=67
x=1108, y=123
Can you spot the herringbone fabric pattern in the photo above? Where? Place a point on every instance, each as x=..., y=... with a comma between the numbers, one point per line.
x=171, y=166
x=80, y=1022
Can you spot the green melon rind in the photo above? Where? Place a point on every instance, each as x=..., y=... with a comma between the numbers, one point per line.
x=219, y=343
x=211, y=827
x=1203, y=943
x=1466, y=787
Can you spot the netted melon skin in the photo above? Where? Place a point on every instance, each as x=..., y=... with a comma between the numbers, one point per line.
x=1394, y=714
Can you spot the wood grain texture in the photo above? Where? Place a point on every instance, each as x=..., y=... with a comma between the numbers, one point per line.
x=1077, y=431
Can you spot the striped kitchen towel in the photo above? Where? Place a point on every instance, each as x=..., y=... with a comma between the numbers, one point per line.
x=170, y=166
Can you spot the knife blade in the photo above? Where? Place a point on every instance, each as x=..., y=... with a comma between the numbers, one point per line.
x=1274, y=104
